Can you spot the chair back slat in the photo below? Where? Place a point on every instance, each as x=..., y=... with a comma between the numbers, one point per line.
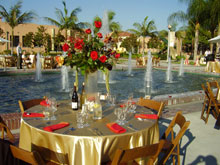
x=24, y=105
x=26, y=156
x=214, y=84
x=152, y=104
x=127, y=155
x=213, y=100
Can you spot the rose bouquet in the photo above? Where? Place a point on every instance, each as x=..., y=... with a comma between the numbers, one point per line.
x=90, y=53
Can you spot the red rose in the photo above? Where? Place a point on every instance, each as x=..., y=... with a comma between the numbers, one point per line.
x=65, y=47
x=88, y=31
x=79, y=44
x=103, y=58
x=94, y=55
x=99, y=35
x=117, y=55
x=98, y=24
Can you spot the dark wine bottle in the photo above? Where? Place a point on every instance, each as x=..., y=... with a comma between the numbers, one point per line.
x=82, y=97
x=75, y=105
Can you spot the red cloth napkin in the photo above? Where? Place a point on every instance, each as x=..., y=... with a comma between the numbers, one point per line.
x=146, y=116
x=54, y=127
x=116, y=128
x=44, y=103
x=25, y=114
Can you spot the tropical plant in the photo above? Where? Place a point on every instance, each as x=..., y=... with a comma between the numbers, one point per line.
x=196, y=14
x=64, y=21
x=130, y=43
x=41, y=38
x=28, y=40
x=58, y=39
x=14, y=17
x=144, y=29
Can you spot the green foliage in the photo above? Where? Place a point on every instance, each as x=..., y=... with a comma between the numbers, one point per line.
x=58, y=39
x=28, y=39
x=154, y=42
x=130, y=43
x=41, y=38
x=178, y=58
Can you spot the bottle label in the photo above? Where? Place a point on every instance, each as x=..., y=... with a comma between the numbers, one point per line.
x=74, y=105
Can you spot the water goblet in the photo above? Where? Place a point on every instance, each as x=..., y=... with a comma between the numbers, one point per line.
x=47, y=97
x=80, y=118
x=47, y=112
x=53, y=108
x=119, y=113
x=112, y=100
x=85, y=112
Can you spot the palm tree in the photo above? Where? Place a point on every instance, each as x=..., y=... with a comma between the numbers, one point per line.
x=195, y=14
x=14, y=17
x=214, y=18
x=66, y=22
x=144, y=29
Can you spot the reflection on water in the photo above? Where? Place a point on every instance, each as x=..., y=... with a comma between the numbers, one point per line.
x=24, y=87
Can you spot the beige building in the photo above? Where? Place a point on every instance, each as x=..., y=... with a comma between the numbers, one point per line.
x=20, y=31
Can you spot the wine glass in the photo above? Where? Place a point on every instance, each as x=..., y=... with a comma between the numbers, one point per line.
x=53, y=108
x=70, y=95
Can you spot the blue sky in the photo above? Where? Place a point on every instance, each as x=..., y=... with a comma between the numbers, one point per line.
x=127, y=11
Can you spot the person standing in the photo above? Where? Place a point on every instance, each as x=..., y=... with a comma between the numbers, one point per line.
x=19, y=58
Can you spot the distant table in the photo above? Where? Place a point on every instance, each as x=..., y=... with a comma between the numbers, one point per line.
x=213, y=66
x=84, y=146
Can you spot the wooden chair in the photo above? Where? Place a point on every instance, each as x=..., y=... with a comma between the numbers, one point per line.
x=152, y=104
x=8, y=61
x=207, y=105
x=172, y=147
x=214, y=84
x=213, y=101
x=48, y=63
x=24, y=105
x=123, y=156
x=4, y=128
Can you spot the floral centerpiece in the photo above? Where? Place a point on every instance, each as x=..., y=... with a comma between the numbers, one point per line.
x=90, y=52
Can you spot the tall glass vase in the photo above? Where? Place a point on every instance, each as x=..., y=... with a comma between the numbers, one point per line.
x=91, y=83
x=107, y=81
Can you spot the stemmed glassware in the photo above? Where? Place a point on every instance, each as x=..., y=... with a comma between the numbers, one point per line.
x=121, y=113
x=131, y=105
x=111, y=100
x=53, y=107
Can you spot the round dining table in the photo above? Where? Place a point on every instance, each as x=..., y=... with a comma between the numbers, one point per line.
x=90, y=145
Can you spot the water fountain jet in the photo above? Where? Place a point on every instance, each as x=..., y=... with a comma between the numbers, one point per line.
x=130, y=65
x=169, y=77
x=65, y=79
x=148, y=76
x=38, y=74
x=181, y=69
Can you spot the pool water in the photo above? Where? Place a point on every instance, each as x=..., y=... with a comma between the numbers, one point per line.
x=24, y=87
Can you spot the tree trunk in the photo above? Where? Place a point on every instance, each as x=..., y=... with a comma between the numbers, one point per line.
x=12, y=40
x=196, y=41
x=181, y=44
x=143, y=46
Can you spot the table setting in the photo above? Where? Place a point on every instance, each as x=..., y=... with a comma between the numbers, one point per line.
x=122, y=124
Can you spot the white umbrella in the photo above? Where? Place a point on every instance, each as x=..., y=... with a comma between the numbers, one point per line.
x=3, y=40
x=215, y=39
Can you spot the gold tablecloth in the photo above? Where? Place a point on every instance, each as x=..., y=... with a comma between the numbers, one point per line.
x=213, y=66
x=83, y=146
